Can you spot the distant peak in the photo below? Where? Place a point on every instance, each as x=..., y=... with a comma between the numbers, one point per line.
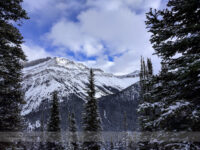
x=69, y=63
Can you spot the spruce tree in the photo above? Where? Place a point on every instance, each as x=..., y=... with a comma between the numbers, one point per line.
x=125, y=134
x=111, y=144
x=54, y=126
x=73, y=132
x=145, y=108
x=146, y=74
x=175, y=30
x=11, y=56
x=149, y=67
x=91, y=118
x=142, y=79
x=42, y=130
x=175, y=38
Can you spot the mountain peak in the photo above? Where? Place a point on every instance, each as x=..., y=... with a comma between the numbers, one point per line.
x=44, y=76
x=69, y=64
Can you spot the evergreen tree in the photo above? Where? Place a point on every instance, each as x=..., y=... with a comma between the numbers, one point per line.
x=54, y=126
x=73, y=132
x=111, y=144
x=149, y=67
x=175, y=30
x=11, y=55
x=125, y=134
x=175, y=97
x=144, y=109
x=142, y=79
x=42, y=130
x=91, y=118
x=149, y=77
x=146, y=74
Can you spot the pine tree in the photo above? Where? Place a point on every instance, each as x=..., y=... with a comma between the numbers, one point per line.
x=91, y=118
x=42, y=130
x=125, y=126
x=54, y=126
x=146, y=74
x=145, y=107
x=142, y=79
x=149, y=67
x=73, y=132
x=149, y=77
x=11, y=55
x=175, y=38
x=111, y=144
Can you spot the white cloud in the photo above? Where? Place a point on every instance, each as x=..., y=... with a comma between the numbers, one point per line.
x=34, y=52
x=102, y=28
x=111, y=30
x=101, y=62
x=132, y=4
x=124, y=64
x=120, y=30
x=130, y=61
x=117, y=30
x=69, y=34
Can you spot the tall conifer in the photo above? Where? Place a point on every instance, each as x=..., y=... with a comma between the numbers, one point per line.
x=91, y=118
x=54, y=126
x=11, y=56
x=42, y=130
x=175, y=37
x=73, y=132
x=145, y=108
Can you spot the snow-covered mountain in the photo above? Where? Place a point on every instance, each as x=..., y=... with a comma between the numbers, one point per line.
x=43, y=76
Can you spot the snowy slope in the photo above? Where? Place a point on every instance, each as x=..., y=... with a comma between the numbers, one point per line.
x=44, y=76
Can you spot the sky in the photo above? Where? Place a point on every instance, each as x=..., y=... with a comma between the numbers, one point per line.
x=106, y=34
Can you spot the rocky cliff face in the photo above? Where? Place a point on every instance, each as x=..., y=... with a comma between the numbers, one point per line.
x=42, y=77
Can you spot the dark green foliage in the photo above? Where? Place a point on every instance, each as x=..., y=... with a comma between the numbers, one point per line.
x=111, y=144
x=146, y=74
x=144, y=110
x=142, y=79
x=146, y=78
x=125, y=139
x=91, y=118
x=125, y=125
x=11, y=56
x=12, y=10
x=174, y=102
x=42, y=130
x=149, y=67
x=54, y=137
x=177, y=31
x=73, y=132
x=54, y=122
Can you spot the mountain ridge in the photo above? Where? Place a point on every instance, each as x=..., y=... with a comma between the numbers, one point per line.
x=43, y=76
